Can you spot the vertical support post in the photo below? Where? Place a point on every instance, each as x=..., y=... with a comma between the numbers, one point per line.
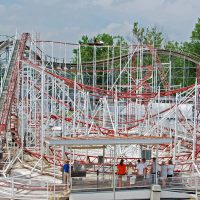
x=35, y=114
x=108, y=57
x=158, y=116
x=170, y=74
x=103, y=161
x=176, y=130
x=116, y=112
x=94, y=81
x=130, y=69
x=141, y=64
x=112, y=66
x=63, y=109
x=195, y=124
x=197, y=114
x=104, y=112
x=87, y=111
x=79, y=67
x=26, y=138
x=120, y=65
x=114, y=177
x=69, y=184
x=54, y=173
x=156, y=164
x=22, y=114
x=42, y=111
x=74, y=109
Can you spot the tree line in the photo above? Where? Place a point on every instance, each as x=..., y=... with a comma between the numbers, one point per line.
x=147, y=36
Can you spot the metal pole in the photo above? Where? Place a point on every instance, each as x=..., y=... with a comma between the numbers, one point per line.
x=112, y=67
x=108, y=57
x=116, y=112
x=42, y=110
x=70, y=172
x=156, y=164
x=120, y=65
x=103, y=160
x=158, y=116
x=176, y=129
x=195, y=124
x=74, y=110
x=63, y=109
x=114, y=177
x=22, y=113
x=87, y=111
x=94, y=74
x=54, y=174
x=170, y=74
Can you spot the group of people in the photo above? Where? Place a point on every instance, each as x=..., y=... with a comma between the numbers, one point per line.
x=140, y=169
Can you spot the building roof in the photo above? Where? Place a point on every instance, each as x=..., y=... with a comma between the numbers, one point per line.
x=101, y=140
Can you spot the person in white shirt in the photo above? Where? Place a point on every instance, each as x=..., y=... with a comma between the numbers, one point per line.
x=145, y=167
x=140, y=171
x=170, y=169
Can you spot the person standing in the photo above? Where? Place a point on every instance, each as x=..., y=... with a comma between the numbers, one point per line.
x=170, y=169
x=66, y=169
x=129, y=172
x=121, y=171
x=145, y=167
x=155, y=170
x=140, y=171
x=163, y=173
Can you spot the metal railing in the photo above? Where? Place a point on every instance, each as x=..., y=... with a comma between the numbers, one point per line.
x=178, y=183
x=24, y=187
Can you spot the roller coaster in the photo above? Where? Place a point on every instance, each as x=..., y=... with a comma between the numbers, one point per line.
x=131, y=91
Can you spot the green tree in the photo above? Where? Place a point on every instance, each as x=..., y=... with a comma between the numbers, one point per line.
x=173, y=45
x=150, y=35
x=102, y=52
x=194, y=45
x=104, y=48
x=196, y=32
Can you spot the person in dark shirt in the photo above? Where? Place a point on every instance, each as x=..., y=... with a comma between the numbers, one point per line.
x=66, y=168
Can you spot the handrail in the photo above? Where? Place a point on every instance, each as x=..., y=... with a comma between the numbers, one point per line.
x=48, y=188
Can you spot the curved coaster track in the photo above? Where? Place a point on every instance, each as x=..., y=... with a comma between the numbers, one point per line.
x=131, y=91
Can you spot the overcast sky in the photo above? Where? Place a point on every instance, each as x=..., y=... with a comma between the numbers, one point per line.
x=68, y=20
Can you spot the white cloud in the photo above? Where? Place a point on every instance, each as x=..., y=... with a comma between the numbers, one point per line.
x=115, y=28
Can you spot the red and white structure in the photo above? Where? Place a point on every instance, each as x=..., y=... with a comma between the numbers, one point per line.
x=131, y=91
